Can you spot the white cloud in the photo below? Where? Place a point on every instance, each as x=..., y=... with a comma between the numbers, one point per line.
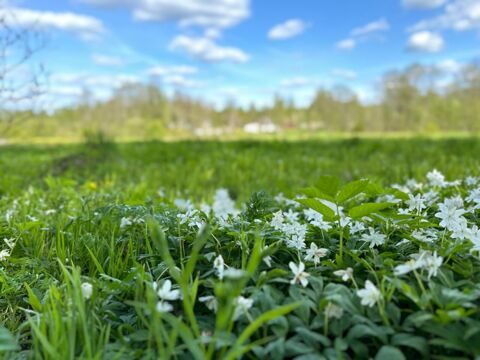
x=296, y=82
x=459, y=15
x=172, y=70
x=66, y=90
x=423, y=4
x=206, y=49
x=287, y=29
x=180, y=81
x=449, y=66
x=380, y=25
x=346, y=44
x=345, y=74
x=218, y=14
x=87, y=80
x=86, y=27
x=426, y=41
x=105, y=60
x=363, y=33
x=175, y=75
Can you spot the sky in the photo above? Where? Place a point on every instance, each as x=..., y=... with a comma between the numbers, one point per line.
x=243, y=50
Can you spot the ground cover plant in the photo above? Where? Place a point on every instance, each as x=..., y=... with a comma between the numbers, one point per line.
x=100, y=262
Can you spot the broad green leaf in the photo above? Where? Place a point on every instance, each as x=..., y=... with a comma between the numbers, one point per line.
x=408, y=340
x=351, y=190
x=328, y=185
x=313, y=192
x=364, y=330
x=389, y=353
x=365, y=209
x=7, y=341
x=320, y=207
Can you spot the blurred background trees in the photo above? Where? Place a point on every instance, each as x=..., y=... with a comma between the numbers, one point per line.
x=22, y=81
x=420, y=98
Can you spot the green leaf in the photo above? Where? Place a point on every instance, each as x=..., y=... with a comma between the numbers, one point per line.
x=365, y=209
x=187, y=336
x=238, y=349
x=319, y=207
x=7, y=341
x=351, y=190
x=313, y=192
x=33, y=299
x=364, y=330
x=408, y=340
x=389, y=353
x=328, y=185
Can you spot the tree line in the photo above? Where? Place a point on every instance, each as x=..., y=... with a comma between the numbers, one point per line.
x=419, y=98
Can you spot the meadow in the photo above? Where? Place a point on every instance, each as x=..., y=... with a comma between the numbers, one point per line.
x=341, y=248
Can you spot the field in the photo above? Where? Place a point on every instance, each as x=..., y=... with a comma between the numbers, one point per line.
x=186, y=250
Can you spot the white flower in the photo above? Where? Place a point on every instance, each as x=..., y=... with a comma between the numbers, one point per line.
x=183, y=204
x=430, y=197
x=474, y=237
x=299, y=275
x=436, y=178
x=277, y=220
x=223, y=205
x=315, y=253
x=191, y=218
x=296, y=241
x=9, y=242
x=333, y=311
x=471, y=181
x=416, y=203
x=9, y=215
x=450, y=214
x=164, y=307
x=210, y=302
x=474, y=234
x=4, y=254
x=370, y=295
x=233, y=273
x=219, y=266
x=356, y=227
x=346, y=274
x=267, y=259
x=474, y=197
x=412, y=184
x=389, y=198
x=460, y=230
x=430, y=262
x=403, y=269
x=166, y=292
x=374, y=238
x=241, y=307
x=124, y=222
x=291, y=216
x=316, y=219
x=87, y=290
x=425, y=235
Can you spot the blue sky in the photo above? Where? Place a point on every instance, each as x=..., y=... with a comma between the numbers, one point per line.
x=218, y=50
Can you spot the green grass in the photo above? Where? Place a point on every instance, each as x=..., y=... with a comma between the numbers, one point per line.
x=94, y=214
x=198, y=168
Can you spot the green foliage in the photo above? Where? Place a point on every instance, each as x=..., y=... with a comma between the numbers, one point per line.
x=97, y=263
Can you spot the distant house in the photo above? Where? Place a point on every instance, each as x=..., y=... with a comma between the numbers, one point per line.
x=261, y=127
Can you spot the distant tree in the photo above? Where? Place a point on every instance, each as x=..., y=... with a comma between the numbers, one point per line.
x=21, y=81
